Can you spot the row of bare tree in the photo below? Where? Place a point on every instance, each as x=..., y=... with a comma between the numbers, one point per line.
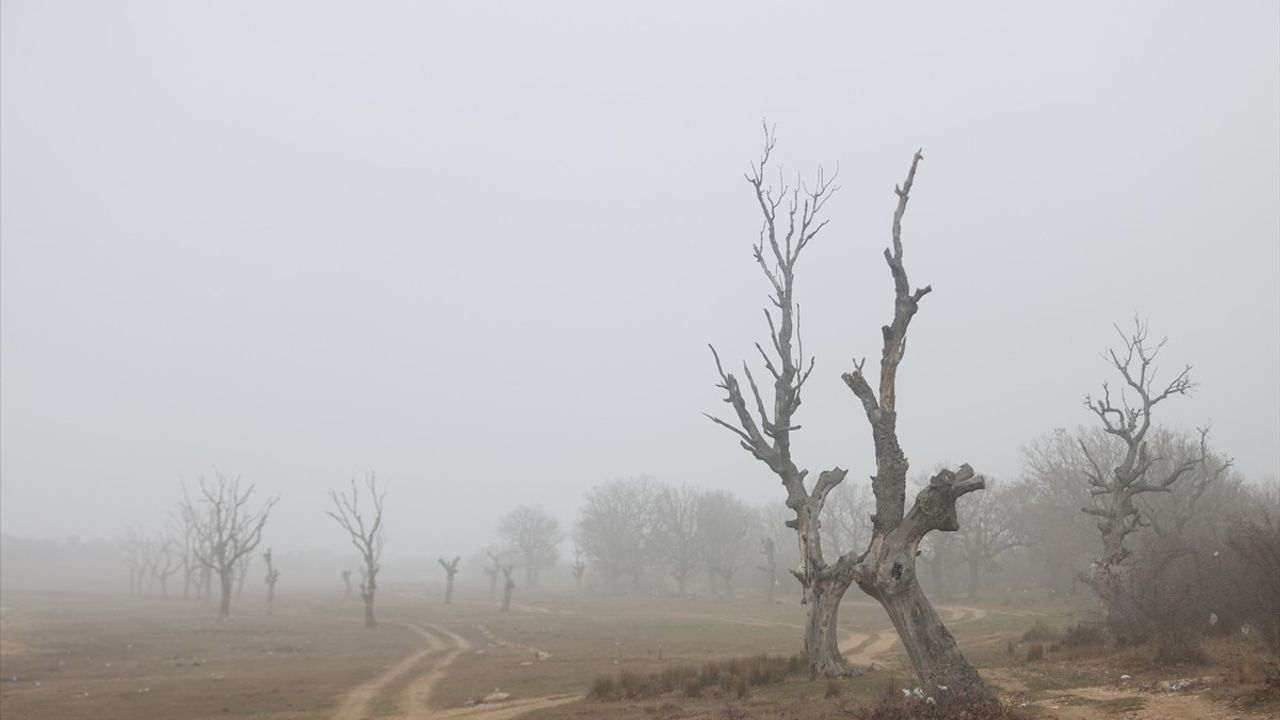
x=211, y=535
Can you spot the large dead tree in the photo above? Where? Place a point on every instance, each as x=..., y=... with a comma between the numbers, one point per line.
x=227, y=530
x=364, y=526
x=450, y=570
x=1126, y=416
x=886, y=570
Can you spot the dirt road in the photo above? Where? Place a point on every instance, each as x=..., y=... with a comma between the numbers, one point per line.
x=427, y=667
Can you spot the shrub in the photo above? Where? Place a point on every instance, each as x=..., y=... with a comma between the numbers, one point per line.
x=728, y=676
x=1038, y=633
x=1082, y=635
x=1035, y=652
x=1180, y=651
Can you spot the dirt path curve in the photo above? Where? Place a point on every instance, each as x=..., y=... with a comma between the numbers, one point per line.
x=443, y=647
x=879, y=645
x=882, y=640
x=417, y=697
x=357, y=704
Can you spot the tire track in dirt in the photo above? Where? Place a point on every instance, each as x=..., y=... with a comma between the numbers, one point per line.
x=357, y=704
x=883, y=640
x=415, y=701
x=417, y=697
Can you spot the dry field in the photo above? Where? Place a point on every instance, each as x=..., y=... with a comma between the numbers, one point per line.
x=72, y=657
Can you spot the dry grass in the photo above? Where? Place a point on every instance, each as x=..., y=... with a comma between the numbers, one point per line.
x=729, y=677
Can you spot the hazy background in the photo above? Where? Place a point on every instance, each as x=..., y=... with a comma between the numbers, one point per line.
x=480, y=248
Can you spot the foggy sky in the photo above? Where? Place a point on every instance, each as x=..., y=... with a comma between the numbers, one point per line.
x=480, y=248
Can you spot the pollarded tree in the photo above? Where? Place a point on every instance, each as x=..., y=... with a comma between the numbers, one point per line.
x=886, y=570
x=273, y=576
x=450, y=570
x=508, y=585
x=364, y=526
x=535, y=537
x=579, y=568
x=227, y=530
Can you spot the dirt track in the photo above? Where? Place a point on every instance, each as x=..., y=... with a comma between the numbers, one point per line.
x=428, y=667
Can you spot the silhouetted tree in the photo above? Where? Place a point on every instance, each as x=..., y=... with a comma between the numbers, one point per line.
x=534, y=536
x=450, y=570
x=364, y=526
x=227, y=529
x=886, y=570
x=273, y=576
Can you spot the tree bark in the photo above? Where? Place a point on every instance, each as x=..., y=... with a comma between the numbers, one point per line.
x=888, y=574
x=821, y=632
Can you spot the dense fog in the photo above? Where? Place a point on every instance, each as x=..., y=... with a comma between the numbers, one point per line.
x=413, y=290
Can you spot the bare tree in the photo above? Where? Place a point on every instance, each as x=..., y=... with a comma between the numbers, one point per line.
x=773, y=521
x=507, y=586
x=365, y=532
x=450, y=570
x=677, y=541
x=725, y=530
x=846, y=518
x=618, y=530
x=579, y=568
x=535, y=536
x=886, y=570
x=139, y=547
x=166, y=562
x=346, y=584
x=1127, y=418
x=1052, y=468
x=273, y=576
x=990, y=527
x=227, y=529
x=242, y=571
x=184, y=535
x=768, y=551
x=492, y=570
